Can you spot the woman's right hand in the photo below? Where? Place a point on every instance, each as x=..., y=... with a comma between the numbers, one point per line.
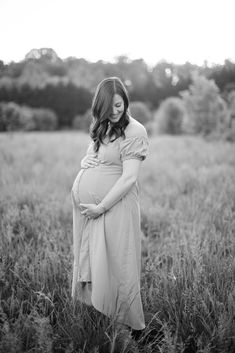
x=90, y=160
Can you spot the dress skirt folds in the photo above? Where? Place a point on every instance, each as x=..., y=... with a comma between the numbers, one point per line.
x=107, y=249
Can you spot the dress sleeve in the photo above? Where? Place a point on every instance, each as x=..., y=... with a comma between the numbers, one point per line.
x=136, y=147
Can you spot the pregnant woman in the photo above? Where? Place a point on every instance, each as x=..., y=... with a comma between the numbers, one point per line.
x=106, y=211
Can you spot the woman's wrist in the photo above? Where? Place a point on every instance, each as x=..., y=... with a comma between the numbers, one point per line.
x=101, y=208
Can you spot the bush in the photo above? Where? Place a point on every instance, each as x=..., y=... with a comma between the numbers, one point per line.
x=207, y=112
x=26, y=120
x=14, y=117
x=9, y=116
x=140, y=112
x=45, y=119
x=231, y=102
x=169, y=116
x=82, y=122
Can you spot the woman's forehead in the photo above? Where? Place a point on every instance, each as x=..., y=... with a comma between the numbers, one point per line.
x=117, y=98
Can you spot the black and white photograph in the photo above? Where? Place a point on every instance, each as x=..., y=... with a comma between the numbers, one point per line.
x=117, y=176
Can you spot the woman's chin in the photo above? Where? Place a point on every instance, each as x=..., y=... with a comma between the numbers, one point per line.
x=114, y=121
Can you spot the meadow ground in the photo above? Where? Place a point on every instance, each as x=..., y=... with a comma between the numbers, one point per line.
x=187, y=196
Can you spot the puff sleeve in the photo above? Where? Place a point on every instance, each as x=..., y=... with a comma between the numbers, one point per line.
x=136, y=147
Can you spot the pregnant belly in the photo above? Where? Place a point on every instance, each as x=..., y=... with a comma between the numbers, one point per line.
x=92, y=184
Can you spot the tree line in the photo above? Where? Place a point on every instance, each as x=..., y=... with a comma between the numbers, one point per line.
x=65, y=87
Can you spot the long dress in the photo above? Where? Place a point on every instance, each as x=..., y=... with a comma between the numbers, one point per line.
x=107, y=249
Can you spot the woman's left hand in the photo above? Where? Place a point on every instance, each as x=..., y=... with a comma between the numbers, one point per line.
x=90, y=210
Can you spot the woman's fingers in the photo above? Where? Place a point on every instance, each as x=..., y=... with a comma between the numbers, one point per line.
x=92, y=159
x=91, y=162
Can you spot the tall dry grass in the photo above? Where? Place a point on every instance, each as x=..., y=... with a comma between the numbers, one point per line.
x=187, y=193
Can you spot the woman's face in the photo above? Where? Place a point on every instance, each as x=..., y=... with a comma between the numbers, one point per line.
x=117, y=108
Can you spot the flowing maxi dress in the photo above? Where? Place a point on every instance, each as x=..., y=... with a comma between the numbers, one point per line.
x=107, y=249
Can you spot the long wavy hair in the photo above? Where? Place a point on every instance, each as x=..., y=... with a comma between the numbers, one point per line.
x=101, y=110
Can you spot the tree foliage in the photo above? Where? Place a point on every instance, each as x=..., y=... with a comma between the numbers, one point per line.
x=140, y=112
x=170, y=115
x=83, y=122
x=206, y=110
x=43, y=80
x=66, y=100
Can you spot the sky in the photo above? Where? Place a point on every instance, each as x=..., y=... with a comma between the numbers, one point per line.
x=173, y=30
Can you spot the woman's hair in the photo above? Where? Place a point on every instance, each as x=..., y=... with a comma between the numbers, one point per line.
x=102, y=108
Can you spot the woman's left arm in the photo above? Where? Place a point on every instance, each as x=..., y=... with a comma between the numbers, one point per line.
x=128, y=178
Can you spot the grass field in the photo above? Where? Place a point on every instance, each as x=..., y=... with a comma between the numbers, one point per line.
x=187, y=194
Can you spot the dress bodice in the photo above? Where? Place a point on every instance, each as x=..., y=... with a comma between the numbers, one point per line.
x=115, y=152
x=108, y=152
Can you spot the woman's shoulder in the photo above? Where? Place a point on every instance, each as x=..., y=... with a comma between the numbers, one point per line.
x=135, y=129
